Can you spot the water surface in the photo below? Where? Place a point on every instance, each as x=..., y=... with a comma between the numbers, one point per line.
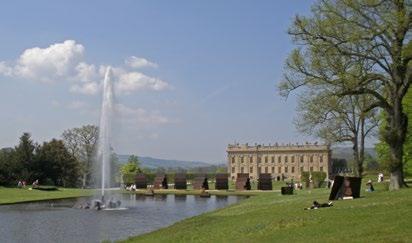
x=58, y=221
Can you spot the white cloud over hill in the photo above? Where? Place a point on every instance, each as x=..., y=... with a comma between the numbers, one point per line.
x=65, y=61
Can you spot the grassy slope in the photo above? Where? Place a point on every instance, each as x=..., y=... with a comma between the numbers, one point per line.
x=377, y=217
x=15, y=195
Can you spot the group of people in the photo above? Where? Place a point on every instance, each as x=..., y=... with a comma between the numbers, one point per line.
x=23, y=183
x=132, y=187
x=380, y=177
x=369, y=185
x=295, y=185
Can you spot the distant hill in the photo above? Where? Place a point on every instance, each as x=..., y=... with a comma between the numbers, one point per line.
x=347, y=153
x=150, y=162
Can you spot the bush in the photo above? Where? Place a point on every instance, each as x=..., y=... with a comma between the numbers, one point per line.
x=318, y=177
x=129, y=178
x=48, y=182
x=46, y=188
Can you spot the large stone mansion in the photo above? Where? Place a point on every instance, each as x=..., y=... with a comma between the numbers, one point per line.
x=282, y=161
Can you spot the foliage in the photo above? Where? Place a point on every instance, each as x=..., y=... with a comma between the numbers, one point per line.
x=128, y=178
x=50, y=163
x=82, y=144
x=132, y=166
x=24, y=153
x=318, y=177
x=337, y=119
x=55, y=163
x=371, y=163
x=382, y=147
x=9, y=168
x=358, y=48
x=115, y=170
x=130, y=169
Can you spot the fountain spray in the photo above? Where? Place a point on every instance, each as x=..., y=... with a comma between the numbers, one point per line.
x=104, y=150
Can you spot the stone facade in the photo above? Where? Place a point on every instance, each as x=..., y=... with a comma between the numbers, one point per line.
x=282, y=161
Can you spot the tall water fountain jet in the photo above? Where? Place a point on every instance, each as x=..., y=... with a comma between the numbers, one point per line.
x=105, y=130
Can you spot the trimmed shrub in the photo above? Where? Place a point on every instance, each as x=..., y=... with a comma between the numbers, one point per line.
x=46, y=188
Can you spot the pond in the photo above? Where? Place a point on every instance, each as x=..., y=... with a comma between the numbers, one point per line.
x=59, y=221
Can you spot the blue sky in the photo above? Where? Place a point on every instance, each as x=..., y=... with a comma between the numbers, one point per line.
x=192, y=76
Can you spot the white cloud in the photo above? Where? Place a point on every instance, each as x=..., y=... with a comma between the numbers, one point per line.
x=139, y=62
x=76, y=105
x=65, y=62
x=135, y=116
x=87, y=72
x=89, y=88
x=135, y=81
x=5, y=69
x=49, y=64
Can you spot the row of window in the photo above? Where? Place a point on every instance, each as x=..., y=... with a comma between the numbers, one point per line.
x=272, y=159
x=272, y=169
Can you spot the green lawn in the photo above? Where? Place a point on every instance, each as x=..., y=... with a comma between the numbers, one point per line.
x=16, y=195
x=380, y=216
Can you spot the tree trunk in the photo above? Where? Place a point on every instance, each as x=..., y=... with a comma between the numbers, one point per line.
x=395, y=137
x=355, y=149
x=362, y=148
x=84, y=179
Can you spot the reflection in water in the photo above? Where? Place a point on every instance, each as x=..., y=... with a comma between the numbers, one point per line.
x=59, y=221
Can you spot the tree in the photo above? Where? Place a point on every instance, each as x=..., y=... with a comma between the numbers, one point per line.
x=56, y=164
x=82, y=144
x=130, y=169
x=132, y=166
x=374, y=37
x=115, y=169
x=337, y=119
x=8, y=167
x=23, y=157
x=382, y=147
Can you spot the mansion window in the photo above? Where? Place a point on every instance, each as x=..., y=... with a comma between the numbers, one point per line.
x=293, y=159
x=266, y=169
x=286, y=159
x=241, y=170
x=259, y=159
x=233, y=169
x=311, y=158
x=273, y=159
x=293, y=169
x=251, y=159
x=311, y=168
x=273, y=170
x=321, y=158
x=286, y=169
x=251, y=169
x=301, y=168
x=301, y=159
x=279, y=170
x=233, y=160
x=241, y=160
x=279, y=159
x=266, y=159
